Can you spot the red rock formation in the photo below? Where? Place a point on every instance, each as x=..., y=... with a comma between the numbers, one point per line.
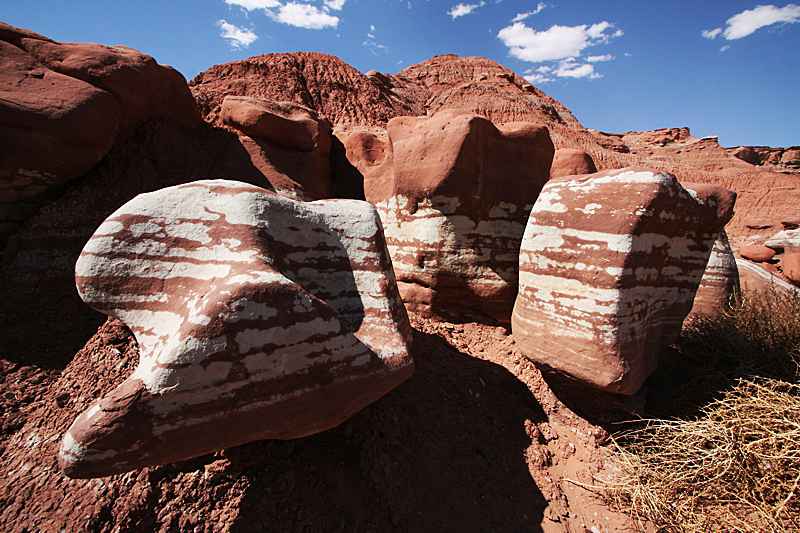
x=570, y=162
x=720, y=280
x=63, y=104
x=453, y=192
x=332, y=88
x=256, y=317
x=609, y=267
x=288, y=144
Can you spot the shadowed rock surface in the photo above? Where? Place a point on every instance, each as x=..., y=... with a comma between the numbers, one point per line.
x=720, y=281
x=62, y=106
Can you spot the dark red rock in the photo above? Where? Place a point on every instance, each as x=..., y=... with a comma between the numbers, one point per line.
x=287, y=143
x=54, y=127
x=62, y=106
x=757, y=253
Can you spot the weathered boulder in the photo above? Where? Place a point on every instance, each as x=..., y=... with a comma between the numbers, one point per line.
x=286, y=142
x=571, y=162
x=453, y=192
x=256, y=317
x=786, y=240
x=62, y=106
x=54, y=128
x=754, y=252
x=609, y=267
x=720, y=281
x=747, y=154
x=790, y=265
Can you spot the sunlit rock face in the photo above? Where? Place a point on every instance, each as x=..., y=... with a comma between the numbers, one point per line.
x=256, y=317
x=609, y=266
x=454, y=192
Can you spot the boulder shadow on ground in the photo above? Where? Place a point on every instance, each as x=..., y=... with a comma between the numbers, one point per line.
x=444, y=451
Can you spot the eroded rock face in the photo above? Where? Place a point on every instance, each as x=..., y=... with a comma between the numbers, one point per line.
x=256, y=317
x=720, y=281
x=609, y=267
x=286, y=142
x=453, y=192
x=62, y=106
x=571, y=162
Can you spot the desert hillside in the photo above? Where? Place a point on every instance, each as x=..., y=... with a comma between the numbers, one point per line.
x=478, y=438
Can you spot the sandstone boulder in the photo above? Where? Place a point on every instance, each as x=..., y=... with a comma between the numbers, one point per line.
x=786, y=240
x=62, y=106
x=285, y=142
x=571, y=162
x=756, y=253
x=609, y=267
x=720, y=281
x=790, y=265
x=747, y=154
x=256, y=317
x=453, y=192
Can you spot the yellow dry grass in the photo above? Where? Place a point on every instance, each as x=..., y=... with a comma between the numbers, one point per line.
x=733, y=463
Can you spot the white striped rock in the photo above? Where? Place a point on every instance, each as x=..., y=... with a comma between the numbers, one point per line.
x=720, y=281
x=609, y=266
x=256, y=317
x=454, y=192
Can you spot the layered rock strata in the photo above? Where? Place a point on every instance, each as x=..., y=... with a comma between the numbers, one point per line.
x=609, y=267
x=720, y=281
x=256, y=317
x=454, y=192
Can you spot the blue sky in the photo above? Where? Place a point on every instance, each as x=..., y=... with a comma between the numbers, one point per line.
x=726, y=68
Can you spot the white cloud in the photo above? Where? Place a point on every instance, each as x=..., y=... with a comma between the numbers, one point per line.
x=558, y=42
x=595, y=59
x=375, y=47
x=464, y=9
x=538, y=78
x=238, y=37
x=750, y=20
x=726, y=47
x=304, y=16
x=523, y=16
x=571, y=69
x=335, y=4
x=253, y=4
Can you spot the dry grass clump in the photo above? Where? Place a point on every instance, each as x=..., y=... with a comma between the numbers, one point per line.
x=734, y=468
x=731, y=462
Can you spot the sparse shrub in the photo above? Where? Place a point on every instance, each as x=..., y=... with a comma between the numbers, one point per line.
x=731, y=460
